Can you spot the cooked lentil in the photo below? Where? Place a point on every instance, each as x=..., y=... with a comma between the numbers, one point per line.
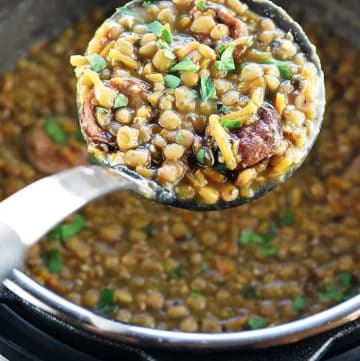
x=215, y=69
x=290, y=254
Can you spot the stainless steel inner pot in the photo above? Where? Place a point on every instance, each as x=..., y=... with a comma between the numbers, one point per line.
x=22, y=24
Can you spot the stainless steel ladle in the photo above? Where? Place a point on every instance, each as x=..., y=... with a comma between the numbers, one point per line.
x=30, y=213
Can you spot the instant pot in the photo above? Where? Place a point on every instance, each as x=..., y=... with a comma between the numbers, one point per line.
x=38, y=324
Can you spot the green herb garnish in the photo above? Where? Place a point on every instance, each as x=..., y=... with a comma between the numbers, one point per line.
x=146, y=3
x=346, y=279
x=248, y=237
x=224, y=109
x=221, y=48
x=167, y=35
x=176, y=272
x=288, y=218
x=202, y=5
x=55, y=131
x=195, y=293
x=97, y=62
x=193, y=94
x=333, y=293
x=124, y=10
x=226, y=61
x=171, y=81
x=299, y=303
x=207, y=88
x=106, y=301
x=179, y=138
x=65, y=231
x=53, y=259
x=283, y=66
x=200, y=156
x=257, y=322
x=231, y=124
x=155, y=27
x=269, y=250
x=120, y=101
x=184, y=65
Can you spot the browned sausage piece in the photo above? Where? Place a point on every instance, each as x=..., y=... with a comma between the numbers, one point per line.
x=93, y=132
x=257, y=140
x=47, y=157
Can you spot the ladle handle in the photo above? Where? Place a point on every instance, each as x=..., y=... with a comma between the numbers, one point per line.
x=30, y=213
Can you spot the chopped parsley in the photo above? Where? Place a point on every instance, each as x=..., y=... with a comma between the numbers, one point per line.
x=167, y=35
x=283, y=66
x=155, y=27
x=171, y=81
x=263, y=240
x=97, y=62
x=184, y=65
x=231, y=124
x=195, y=293
x=65, y=231
x=288, y=218
x=106, y=301
x=221, y=167
x=299, y=303
x=202, y=5
x=224, y=109
x=53, y=261
x=179, y=138
x=257, y=322
x=147, y=3
x=176, y=272
x=345, y=279
x=121, y=101
x=338, y=291
x=226, y=61
x=79, y=135
x=207, y=88
x=55, y=131
x=200, y=156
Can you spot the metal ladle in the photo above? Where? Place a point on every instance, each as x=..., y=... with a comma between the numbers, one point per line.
x=30, y=213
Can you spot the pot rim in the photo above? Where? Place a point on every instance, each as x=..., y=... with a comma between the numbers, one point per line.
x=37, y=295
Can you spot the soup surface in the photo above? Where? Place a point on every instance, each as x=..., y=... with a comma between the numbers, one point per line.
x=210, y=100
x=290, y=254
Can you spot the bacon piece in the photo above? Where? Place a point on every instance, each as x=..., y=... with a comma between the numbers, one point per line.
x=257, y=140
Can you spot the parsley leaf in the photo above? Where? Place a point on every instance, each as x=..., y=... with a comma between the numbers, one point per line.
x=171, y=81
x=121, y=101
x=224, y=109
x=346, y=279
x=195, y=293
x=55, y=131
x=299, y=303
x=184, y=65
x=53, y=260
x=65, y=231
x=176, y=272
x=269, y=250
x=288, y=218
x=167, y=35
x=147, y=3
x=200, y=156
x=106, y=301
x=231, y=124
x=202, y=5
x=248, y=237
x=179, y=138
x=226, y=61
x=155, y=27
x=97, y=62
x=283, y=66
x=257, y=322
x=207, y=88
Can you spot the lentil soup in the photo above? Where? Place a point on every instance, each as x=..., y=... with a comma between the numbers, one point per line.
x=209, y=99
x=290, y=254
